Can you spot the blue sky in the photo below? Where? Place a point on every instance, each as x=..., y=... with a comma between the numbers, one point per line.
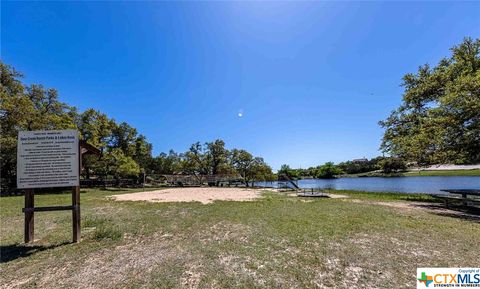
x=311, y=79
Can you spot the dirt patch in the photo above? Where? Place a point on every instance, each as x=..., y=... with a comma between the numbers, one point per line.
x=202, y=195
x=337, y=196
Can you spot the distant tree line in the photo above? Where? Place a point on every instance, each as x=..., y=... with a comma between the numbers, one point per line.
x=212, y=158
x=385, y=165
x=325, y=171
x=125, y=152
x=364, y=166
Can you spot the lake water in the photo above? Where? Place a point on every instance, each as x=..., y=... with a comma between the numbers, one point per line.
x=392, y=184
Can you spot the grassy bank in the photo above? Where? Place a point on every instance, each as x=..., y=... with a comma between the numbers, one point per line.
x=474, y=172
x=364, y=240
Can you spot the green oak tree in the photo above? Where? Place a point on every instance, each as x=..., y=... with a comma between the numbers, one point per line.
x=250, y=168
x=25, y=108
x=439, y=118
x=216, y=156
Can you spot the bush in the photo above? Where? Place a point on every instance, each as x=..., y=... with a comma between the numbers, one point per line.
x=328, y=171
x=104, y=231
x=288, y=172
x=89, y=222
x=392, y=165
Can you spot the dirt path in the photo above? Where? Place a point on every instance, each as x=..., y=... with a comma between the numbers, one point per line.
x=202, y=195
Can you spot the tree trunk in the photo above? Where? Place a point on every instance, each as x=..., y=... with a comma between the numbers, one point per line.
x=87, y=172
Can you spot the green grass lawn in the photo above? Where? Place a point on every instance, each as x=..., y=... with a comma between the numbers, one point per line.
x=278, y=241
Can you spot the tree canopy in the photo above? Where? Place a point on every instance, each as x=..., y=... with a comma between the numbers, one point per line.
x=26, y=108
x=126, y=153
x=212, y=158
x=439, y=118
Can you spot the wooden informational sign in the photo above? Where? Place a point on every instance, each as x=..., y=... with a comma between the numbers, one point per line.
x=47, y=159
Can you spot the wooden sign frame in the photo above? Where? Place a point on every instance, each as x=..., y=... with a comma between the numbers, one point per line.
x=30, y=209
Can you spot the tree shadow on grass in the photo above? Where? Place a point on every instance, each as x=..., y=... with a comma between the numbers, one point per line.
x=12, y=252
x=459, y=212
x=421, y=198
x=462, y=216
x=112, y=189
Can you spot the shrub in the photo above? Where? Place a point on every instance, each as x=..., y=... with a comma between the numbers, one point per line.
x=391, y=165
x=104, y=231
x=89, y=222
x=328, y=171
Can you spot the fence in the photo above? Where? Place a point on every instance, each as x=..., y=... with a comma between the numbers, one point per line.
x=119, y=183
x=194, y=180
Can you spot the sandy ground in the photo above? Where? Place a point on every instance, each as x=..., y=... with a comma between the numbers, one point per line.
x=448, y=167
x=202, y=195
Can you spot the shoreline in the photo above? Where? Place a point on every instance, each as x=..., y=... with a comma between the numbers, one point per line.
x=418, y=173
x=409, y=173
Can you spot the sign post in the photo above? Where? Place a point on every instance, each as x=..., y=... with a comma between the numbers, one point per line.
x=48, y=159
x=29, y=217
x=76, y=213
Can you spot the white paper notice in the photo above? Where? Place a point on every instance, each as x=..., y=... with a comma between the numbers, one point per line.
x=47, y=159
